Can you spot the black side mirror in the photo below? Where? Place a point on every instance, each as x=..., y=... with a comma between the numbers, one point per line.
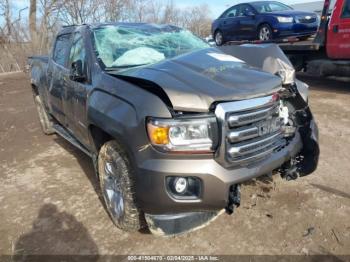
x=76, y=71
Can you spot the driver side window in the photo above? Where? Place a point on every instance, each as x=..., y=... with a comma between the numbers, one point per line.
x=77, y=52
x=244, y=10
x=232, y=12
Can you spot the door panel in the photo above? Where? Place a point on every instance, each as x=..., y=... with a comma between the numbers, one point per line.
x=230, y=24
x=56, y=72
x=77, y=93
x=338, y=36
x=247, y=29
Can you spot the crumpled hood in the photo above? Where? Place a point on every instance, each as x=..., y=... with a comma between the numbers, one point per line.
x=194, y=81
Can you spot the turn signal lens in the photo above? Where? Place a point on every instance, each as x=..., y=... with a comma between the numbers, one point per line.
x=158, y=135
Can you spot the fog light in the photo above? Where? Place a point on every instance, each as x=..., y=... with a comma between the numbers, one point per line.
x=180, y=185
x=184, y=187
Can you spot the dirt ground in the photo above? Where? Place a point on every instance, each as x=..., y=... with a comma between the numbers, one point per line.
x=50, y=201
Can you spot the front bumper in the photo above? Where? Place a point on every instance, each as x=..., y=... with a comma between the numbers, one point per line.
x=153, y=197
x=294, y=29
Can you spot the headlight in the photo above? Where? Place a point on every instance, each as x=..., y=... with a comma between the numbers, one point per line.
x=285, y=19
x=196, y=135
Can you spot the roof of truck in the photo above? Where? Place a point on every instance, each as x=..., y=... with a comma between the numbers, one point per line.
x=72, y=28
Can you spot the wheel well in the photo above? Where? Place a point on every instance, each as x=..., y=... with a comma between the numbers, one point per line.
x=99, y=137
x=264, y=23
x=217, y=30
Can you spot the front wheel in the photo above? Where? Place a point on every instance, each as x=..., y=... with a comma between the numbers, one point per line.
x=219, y=38
x=115, y=174
x=265, y=33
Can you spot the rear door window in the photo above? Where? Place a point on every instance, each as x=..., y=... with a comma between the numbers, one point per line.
x=346, y=9
x=61, y=48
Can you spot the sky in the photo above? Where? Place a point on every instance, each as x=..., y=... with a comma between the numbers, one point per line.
x=217, y=7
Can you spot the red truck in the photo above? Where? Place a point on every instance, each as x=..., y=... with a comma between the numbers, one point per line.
x=329, y=52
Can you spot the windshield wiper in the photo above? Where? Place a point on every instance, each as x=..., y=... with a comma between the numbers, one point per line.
x=112, y=68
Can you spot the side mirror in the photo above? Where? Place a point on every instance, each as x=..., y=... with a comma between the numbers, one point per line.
x=76, y=71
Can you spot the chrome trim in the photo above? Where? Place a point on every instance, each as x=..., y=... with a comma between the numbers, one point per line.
x=254, y=157
x=243, y=119
x=239, y=135
x=241, y=150
x=243, y=105
x=241, y=140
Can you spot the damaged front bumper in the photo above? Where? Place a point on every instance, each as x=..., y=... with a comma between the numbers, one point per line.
x=298, y=159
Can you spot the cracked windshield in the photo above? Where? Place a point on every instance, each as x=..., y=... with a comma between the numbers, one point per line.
x=122, y=47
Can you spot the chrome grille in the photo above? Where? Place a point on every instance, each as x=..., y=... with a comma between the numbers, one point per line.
x=306, y=19
x=251, y=130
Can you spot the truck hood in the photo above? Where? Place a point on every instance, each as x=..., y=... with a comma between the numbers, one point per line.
x=194, y=81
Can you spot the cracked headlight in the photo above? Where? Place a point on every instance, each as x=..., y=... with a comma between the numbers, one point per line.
x=195, y=135
x=285, y=19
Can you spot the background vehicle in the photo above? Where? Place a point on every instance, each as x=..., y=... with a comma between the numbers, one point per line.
x=329, y=52
x=264, y=20
x=172, y=125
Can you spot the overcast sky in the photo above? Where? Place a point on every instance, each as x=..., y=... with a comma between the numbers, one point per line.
x=216, y=6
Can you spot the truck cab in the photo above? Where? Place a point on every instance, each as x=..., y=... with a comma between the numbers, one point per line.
x=338, y=34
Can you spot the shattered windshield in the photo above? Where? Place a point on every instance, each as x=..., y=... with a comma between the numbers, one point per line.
x=121, y=46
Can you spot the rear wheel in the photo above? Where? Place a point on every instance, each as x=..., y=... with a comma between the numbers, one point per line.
x=265, y=32
x=45, y=120
x=116, y=183
x=219, y=38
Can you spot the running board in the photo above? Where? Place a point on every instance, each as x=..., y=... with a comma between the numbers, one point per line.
x=67, y=136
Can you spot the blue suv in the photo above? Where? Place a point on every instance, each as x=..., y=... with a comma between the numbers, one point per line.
x=263, y=20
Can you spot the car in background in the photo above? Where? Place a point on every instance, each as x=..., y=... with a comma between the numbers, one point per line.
x=263, y=20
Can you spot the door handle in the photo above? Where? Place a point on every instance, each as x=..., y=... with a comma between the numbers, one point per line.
x=335, y=29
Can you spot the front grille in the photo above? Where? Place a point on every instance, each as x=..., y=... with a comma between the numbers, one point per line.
x=251, y=130
x=306, y=19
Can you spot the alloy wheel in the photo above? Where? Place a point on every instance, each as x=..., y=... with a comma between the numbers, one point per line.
x=112, y=192
x=264, y=33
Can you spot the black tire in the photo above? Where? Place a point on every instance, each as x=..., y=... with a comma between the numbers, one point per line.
x=304, y=38
x=45, y=120
x=219, y=38
x=267, y=31
x=115, y=175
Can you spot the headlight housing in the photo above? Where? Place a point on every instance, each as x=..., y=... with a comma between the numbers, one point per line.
x=187, y=135
x=285, y=19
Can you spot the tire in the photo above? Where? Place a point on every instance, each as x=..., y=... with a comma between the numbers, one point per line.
x=265, y=32
x=219, y=38
x=115, y=175
x=45, y=120
x=304, y=38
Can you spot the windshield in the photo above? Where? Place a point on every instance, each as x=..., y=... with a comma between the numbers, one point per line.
x=267, y=7
x=122, y=46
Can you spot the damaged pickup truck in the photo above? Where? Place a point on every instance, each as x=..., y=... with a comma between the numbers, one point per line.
x=173, y=126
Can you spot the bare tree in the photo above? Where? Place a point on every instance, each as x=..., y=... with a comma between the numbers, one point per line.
x=5, y=11
x=198, y=20
x=82, y=11
x=114, y=10
x=32, y=20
